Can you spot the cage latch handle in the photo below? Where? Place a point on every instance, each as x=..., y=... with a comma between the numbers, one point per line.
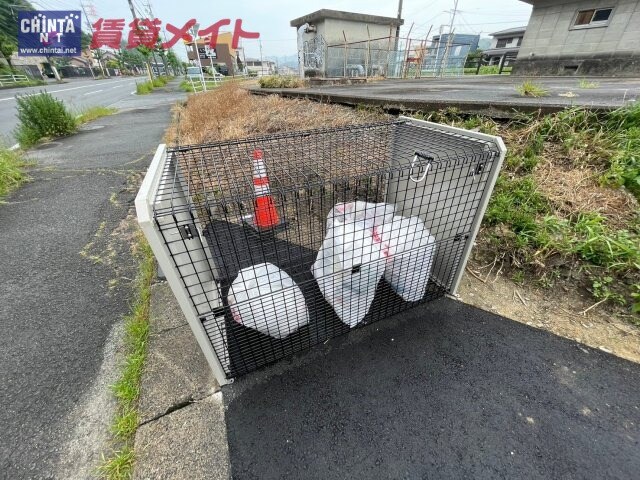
x=422, y=156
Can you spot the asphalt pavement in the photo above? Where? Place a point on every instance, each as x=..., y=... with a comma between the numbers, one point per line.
x=484, y=94
x=77, y=93
x=66, y=279
x=444, y=390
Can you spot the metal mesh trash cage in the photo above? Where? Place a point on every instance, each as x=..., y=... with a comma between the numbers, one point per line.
x=277, y=243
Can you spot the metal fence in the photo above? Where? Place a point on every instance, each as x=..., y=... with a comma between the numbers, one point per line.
x=363, y=222
x=385, y=57
x=8, y=80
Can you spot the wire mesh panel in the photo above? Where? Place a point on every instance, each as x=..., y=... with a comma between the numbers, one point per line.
x=284, y=241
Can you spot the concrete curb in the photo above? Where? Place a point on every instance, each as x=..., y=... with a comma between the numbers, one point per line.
x=182, y=430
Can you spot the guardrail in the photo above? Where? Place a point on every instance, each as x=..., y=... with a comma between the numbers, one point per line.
x=202, y=84
x=12, y=79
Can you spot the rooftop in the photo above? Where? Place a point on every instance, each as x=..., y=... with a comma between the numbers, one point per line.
x=509, y=31
x=349, y=16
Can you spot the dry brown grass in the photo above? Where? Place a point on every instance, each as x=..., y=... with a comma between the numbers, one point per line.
x=575, y=190
x=231, y=112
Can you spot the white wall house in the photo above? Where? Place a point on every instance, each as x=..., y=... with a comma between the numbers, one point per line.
x=505, y=44
x=322, y=35
x=581, y=37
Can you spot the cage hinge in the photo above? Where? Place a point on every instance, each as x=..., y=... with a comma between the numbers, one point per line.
x=188, y=231
x=460, y=236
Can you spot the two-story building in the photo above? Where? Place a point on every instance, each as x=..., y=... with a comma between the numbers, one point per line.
x=505, y=45
x=223, y=57
x=581, y=37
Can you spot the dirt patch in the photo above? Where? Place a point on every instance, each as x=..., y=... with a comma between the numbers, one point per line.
x=560, y=313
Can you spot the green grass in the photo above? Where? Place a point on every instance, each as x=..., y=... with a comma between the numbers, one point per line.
x=488, y=70
x=526, y=226
x=93, y=113
x=144, y=87
x=584, y=83
x=119, y=463
x=41, y=116
x=11, y=171
x=147, y=87
x=531, y=89
x=29, y=83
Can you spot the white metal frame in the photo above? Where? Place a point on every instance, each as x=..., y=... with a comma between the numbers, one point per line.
x=144, y=207
x=486, y=195
x=152, y=194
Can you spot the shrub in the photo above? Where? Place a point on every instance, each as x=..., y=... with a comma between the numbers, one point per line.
x=277, y=81
x=144, y=88
x=11, y=174
x=41, y=116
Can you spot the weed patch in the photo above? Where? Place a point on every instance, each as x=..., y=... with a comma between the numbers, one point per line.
x=531, y=89
x=119, y=463
x=144, y=87
x=94, y=113
x=41, y=116
x=278, y=81
x=584, y=83
x=11, y=171
x=558, y=211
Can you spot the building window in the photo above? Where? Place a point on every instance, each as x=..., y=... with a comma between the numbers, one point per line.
x=501, y=43
x=519, y=42
x=595, y=17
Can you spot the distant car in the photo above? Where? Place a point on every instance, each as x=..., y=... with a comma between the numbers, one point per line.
x=194, y=72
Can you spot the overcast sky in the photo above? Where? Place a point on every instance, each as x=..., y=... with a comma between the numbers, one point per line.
x=271, y=17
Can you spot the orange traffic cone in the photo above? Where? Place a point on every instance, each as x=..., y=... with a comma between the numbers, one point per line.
x=266, y=215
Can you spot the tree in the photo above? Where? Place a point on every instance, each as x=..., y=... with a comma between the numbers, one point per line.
x=9, y=26
x=7, y=47
x=174, y=61
x=473, y=58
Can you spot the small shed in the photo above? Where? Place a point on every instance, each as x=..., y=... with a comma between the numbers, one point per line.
x=320, y=31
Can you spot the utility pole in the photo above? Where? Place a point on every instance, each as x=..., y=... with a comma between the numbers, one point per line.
x=261, y=64
x=397, y=42
x=453, y=15
x=162, y=55
x=399, y=18
x=98, y=54
x=133, y=14
x=449, y=37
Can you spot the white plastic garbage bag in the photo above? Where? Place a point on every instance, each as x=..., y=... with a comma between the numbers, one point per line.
x=348, y=268
x=265, y=298
x=372, y=214
x=409, y=249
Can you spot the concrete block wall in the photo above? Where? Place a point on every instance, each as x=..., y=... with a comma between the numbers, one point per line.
x=552, y=46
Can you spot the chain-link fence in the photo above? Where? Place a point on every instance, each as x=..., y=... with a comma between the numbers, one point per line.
x=385, y=57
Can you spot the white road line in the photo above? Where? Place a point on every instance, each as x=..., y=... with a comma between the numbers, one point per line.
x=64, y=89
x=95, y=91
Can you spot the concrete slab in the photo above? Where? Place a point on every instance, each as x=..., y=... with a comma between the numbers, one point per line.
x=188, y=443
x=165, y=311
x=493, y=95
x=182, y=432
x=175, y=373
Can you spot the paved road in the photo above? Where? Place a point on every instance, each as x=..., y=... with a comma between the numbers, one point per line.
x=65, y=282
x=77, y=93
x=443, y=391
x=493, y=94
